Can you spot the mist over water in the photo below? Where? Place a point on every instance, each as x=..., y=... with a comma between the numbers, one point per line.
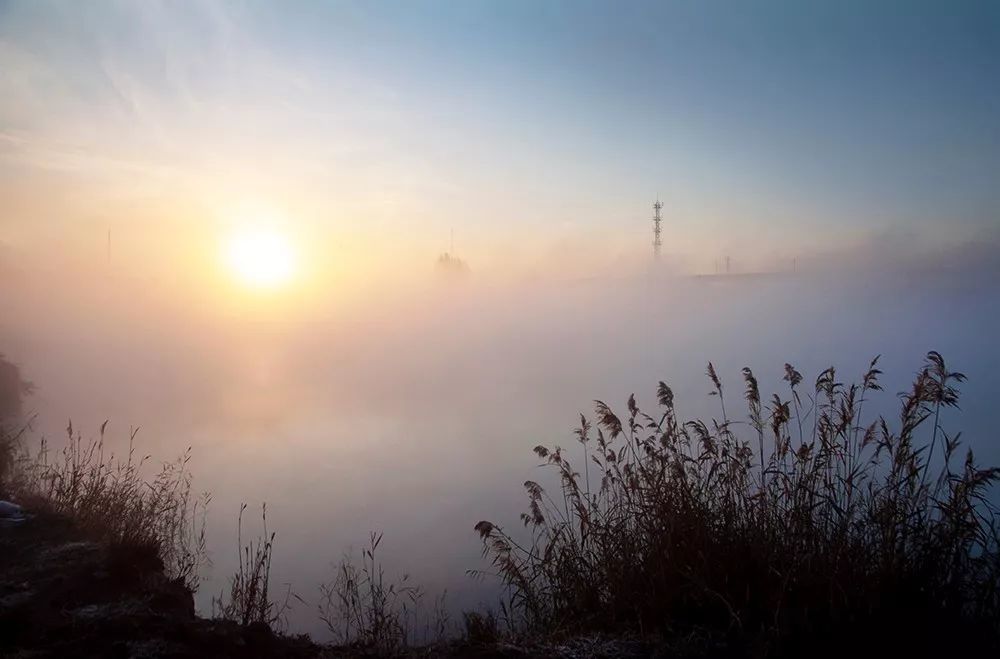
x=416, y=414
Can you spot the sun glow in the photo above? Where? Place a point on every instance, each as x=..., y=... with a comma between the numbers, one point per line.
x=260, y=258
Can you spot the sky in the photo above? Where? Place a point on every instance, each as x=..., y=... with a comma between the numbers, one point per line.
x=539, y=132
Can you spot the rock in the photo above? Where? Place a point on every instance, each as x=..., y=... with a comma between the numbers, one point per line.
x=12, y=514
x=8, y=509
x=63, y=595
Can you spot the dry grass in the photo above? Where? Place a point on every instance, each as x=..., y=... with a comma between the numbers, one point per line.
x=803, y=527
x=249, y=600
x=481, y=628
x=362, y=608
x=115, y=499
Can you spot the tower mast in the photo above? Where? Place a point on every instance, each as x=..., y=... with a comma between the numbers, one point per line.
x=657, y=243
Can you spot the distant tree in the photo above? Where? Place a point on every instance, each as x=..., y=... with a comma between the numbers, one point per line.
x=449, y=265
x=13, y=389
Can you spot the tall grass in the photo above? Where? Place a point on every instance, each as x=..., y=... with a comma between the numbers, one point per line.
x=360, y=607
x=801, y=527
x=122, y=500
x=249, y=601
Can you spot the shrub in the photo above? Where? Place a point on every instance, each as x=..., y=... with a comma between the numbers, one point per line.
x=481, y=628
x=797, y=529
x=9, y=443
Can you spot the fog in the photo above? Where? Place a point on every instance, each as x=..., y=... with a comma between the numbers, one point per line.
x=414, y=412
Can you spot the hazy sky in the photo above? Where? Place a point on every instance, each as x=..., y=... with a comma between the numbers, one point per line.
x=535, y=129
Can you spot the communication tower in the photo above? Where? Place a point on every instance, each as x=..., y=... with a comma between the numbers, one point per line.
x=657, y=243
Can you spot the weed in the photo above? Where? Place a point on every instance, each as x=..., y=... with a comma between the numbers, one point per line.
x=249, y=600
x=360, y=607
x=113, y=499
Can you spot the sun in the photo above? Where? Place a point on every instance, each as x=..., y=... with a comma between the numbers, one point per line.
x=260, y=258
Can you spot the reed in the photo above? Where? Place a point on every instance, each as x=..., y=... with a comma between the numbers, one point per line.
x=803, y=528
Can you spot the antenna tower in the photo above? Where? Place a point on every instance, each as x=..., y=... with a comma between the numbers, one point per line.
x=657, y=243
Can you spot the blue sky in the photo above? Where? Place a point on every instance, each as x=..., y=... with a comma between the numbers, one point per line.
x=798, y=123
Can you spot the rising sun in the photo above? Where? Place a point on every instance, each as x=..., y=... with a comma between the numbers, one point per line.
x=260, y=258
